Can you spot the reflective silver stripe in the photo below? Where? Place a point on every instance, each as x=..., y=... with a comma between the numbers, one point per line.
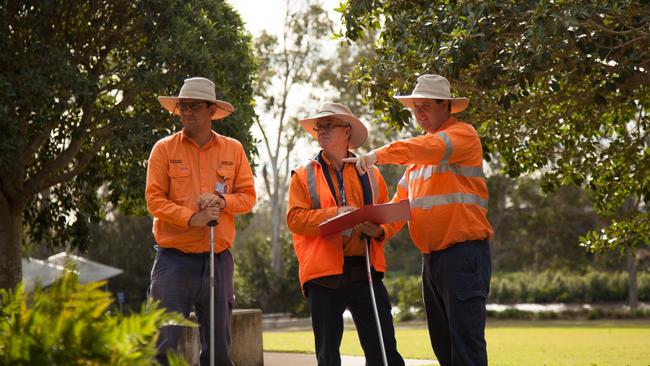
x=403, y=183
x=445, y=199
x=311, y=186
x=373, y=183
x=449, y=148
x=466, y=171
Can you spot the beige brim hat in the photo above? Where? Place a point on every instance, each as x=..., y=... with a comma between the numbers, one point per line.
x=433, y=87
x=358, y=133
x=201, y=89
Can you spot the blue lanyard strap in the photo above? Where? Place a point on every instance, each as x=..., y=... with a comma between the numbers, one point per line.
x=364, y=179
x=339, y=176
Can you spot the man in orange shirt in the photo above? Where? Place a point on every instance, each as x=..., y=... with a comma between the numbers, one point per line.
x=332, y=269
x=193, y=177
x=444, y=182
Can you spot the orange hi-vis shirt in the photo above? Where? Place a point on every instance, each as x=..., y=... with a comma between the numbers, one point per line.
x=179, y=171
x=305, y=221
x=311, y=202
x=445, y=184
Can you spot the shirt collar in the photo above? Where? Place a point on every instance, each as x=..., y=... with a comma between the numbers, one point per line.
x=214, y=139
x=450, y=121
x=329, y=163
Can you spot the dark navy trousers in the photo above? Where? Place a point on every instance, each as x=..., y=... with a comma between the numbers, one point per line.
x=327, y=306
x=455, y=285
x=181, y=282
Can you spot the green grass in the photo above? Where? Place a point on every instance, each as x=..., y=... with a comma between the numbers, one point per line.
x=513, y=342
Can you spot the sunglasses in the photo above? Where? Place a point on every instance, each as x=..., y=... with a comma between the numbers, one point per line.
x=191, y=106
x=326, y=127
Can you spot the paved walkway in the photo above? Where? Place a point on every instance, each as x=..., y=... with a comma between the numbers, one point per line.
x=303, y=359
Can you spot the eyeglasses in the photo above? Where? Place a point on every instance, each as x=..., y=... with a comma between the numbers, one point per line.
x=192, y=106
x=326, y=127
x=426, y=105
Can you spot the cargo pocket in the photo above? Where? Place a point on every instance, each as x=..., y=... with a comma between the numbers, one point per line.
x=464, y=295
x=179, y=182
x=470, y=281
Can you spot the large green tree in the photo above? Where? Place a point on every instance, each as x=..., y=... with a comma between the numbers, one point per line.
x=557, y=87
x=78, y=107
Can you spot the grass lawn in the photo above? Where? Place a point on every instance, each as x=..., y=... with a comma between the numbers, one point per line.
x=512, y=342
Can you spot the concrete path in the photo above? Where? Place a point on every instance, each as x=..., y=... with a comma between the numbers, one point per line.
x=303, y=359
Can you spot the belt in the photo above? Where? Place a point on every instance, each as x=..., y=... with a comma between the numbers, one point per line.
x=354, y=270
x=180, y=252
x=475, y=241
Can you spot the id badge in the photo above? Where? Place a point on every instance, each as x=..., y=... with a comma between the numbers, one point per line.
x=220, y=187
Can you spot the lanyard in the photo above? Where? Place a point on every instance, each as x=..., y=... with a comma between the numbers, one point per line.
x=339, y=176
x=364, y=179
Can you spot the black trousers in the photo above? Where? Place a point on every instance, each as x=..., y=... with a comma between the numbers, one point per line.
x=455, y=285
x=327, y=306
x=181, y=282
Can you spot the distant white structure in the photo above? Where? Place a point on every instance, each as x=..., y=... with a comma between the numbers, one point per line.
x=36, y=271
x=45, y=272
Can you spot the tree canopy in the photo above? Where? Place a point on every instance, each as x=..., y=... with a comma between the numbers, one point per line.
x=556, y=87
x=78, y=106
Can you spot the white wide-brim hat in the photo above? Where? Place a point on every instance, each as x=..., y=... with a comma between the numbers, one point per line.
x=358, y=133
x=430, y=86
x=201, y=89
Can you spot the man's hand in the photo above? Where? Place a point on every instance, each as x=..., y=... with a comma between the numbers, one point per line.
x=202, y=217
x=371, y=229
x=210, y=199
x=363, y=162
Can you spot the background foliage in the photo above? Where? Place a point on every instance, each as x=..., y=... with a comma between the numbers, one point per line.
x=72, y=324
x=79, y=113
x=560, y=88
x=78, y=106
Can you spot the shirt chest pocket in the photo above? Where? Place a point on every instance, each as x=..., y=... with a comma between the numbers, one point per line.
x=225, y=179
x=180, y=183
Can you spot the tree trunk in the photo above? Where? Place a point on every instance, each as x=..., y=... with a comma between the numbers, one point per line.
x=633, y=297
x=11, y=231
x=276, y=251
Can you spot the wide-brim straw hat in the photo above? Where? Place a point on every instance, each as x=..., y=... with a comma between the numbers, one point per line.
x=430, y=86
x=201, y=89
x=358, y=133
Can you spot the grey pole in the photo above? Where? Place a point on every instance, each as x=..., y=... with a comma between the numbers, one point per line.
x=374, y=302
x=212, y=225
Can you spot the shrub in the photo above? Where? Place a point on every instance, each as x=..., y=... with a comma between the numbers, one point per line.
x=643, y=287
x=564, y=286
x=71, y=324
x=406, y=293
x=258, y=286
x=545, y=287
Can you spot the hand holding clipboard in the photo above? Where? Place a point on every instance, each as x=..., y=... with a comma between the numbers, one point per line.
x=384, y=213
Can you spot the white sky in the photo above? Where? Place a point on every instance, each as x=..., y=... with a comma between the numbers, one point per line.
x=269, y=14
x=259, y=15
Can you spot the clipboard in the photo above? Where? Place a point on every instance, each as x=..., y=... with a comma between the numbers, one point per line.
x=384, y=213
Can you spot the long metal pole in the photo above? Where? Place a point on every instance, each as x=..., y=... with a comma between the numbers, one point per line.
x=212, y=224
x=374, y=303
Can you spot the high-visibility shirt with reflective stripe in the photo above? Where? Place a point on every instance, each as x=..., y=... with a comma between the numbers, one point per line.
x=323, y=256
x=445, y=184
x=305, y=213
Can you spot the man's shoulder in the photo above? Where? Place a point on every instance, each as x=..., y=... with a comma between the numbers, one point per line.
x=376, y=171
x=311, y=162
x=307, y=162
x=228, y=141
x=461, y=127
x=168, y=140
x=302, y=165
